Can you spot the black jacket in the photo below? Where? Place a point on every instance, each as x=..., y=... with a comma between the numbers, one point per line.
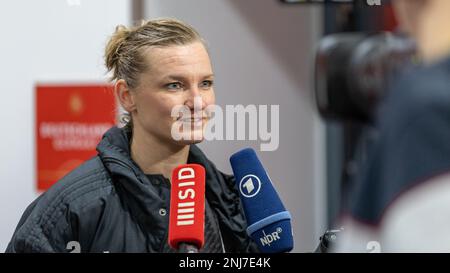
x=109, y=204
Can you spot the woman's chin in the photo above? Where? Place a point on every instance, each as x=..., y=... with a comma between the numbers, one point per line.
x=189, y=138
x=194, y=142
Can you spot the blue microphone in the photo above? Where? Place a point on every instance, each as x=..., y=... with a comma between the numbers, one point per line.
x=269, y=223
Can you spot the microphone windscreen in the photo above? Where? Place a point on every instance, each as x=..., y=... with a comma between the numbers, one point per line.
x=269, y=223
x=187, y=206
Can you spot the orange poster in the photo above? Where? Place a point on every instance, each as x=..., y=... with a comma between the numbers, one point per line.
x=70, y=121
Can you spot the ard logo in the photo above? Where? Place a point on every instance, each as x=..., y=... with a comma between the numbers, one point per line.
x=250, y=185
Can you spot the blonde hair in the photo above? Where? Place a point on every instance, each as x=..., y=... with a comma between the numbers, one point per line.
x=124, y=52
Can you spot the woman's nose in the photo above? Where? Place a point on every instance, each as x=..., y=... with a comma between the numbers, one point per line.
x=194, y=98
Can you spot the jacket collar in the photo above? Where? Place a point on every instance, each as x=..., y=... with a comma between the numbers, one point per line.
x=114, y=148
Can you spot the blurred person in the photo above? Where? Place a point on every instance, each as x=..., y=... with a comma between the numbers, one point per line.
x=119, y=201
x=401, y=196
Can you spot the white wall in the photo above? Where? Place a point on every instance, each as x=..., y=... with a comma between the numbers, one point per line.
x=45, y=40
x=262, y=53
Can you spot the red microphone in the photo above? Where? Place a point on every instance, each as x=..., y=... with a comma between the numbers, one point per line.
x=187, y=208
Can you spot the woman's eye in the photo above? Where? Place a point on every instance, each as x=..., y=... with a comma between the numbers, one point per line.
x=174, y=86
x=206, y=84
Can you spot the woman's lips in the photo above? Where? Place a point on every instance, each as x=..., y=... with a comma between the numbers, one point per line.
x=194, y=120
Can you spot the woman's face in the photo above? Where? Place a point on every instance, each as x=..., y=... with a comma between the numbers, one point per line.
x=175, y=76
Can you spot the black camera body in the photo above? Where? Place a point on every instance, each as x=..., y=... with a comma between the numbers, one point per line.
x=353, y=71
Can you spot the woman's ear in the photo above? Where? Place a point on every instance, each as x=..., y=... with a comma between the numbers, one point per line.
x=125, y=95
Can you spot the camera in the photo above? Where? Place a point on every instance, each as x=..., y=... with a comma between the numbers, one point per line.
x=353, y=72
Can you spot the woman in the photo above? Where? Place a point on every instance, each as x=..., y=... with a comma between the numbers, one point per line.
x=119, y=200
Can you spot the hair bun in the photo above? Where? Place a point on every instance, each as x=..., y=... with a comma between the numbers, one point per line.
x=112, y=50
